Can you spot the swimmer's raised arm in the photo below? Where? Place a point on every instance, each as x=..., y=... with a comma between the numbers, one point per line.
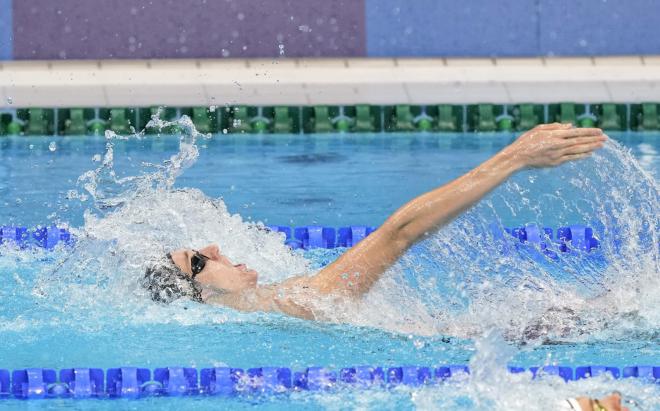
x=361, y=266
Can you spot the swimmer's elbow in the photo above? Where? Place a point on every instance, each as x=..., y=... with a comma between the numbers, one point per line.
x=356, y=271
x=397, y=237
x=395, y=241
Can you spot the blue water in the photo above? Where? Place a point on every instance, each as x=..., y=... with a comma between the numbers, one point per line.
x=294, y=180
x=81, y=308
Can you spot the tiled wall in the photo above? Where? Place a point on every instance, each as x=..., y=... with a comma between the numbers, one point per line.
x=490, y=28
x=452, y=28
x=598, y=27
x=84, y=29
x=6, y=11
x=76, y=29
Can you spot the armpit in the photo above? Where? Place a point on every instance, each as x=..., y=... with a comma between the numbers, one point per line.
x=293, y=298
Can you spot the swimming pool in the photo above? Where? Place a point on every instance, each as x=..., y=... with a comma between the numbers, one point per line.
x=454, y=299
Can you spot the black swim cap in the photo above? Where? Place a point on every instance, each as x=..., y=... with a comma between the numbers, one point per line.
x=165, y=283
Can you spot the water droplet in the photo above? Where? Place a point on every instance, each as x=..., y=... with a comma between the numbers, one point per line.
x=10, y=100
x=212, y=109
x=52, y=146
x=31, y=146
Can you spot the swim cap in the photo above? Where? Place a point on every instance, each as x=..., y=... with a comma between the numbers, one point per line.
x=165, y=283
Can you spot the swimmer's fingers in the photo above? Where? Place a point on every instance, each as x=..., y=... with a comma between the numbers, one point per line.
x=582, y=148
x=577, y=132
x=582, y=140
x=572, y=157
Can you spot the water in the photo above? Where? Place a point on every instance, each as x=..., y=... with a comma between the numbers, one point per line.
x=295, y=180
x=83, y=308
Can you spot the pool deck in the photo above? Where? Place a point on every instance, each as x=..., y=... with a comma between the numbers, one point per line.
x=117, y=83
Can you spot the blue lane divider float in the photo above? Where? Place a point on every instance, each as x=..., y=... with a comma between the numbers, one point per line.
x=575, y=237
x=565, y=373
x=44, y=237
x=82, y=382
x=128, y=382
x=177, y=380
x=32, y=382
x=133, y=382
x=307, y=237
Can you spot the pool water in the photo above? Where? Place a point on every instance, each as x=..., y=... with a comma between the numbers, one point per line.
x=288, y=180
x=453, y=299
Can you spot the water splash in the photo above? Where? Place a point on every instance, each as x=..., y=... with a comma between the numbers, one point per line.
x=463, y=281
x=136, y=219
x=108, y=190
x=462, y=271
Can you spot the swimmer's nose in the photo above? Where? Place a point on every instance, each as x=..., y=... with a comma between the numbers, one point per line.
x=212, y=251
x=215, y=251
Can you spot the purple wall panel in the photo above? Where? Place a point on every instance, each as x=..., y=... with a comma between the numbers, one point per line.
x=88, y=29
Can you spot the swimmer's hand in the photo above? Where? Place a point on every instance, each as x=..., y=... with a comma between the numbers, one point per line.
x=549, y=145
x=611, y=402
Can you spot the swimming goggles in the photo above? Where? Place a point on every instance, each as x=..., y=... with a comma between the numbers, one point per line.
x=197, y=262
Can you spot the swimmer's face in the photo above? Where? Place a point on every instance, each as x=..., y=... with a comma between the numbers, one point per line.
x=219, y=272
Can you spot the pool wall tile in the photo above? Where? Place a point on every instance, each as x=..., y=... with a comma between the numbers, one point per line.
x=83, y=29
x=449, y=28
x=163, y=29
x=599, y=27
x=6, y=30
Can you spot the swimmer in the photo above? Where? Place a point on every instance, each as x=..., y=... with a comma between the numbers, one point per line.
x=206, y=275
